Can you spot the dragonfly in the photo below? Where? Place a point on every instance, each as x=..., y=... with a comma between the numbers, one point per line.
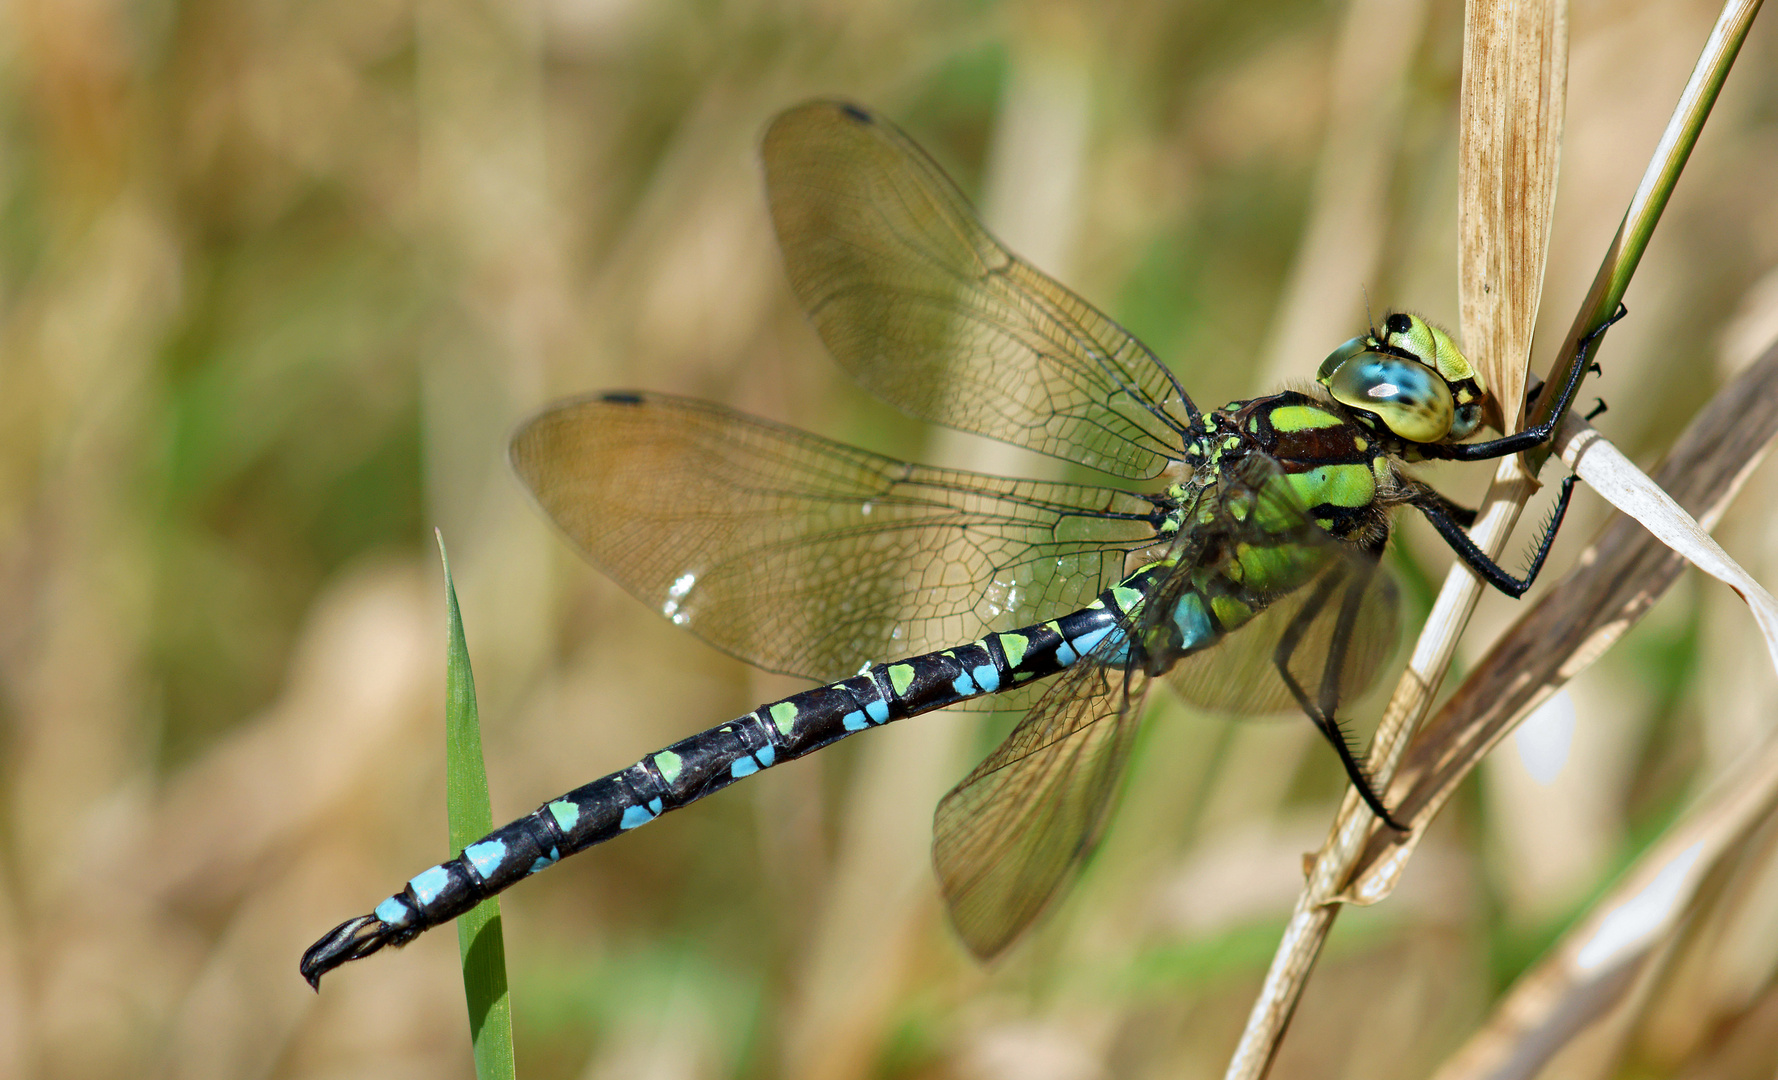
x=1237, y=556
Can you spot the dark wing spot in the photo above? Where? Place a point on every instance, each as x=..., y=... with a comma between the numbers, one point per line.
x=856, y=113
x=622, y=398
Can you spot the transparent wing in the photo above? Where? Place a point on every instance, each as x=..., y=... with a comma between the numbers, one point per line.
x=806, y=556
x=1325, y=610
x=934, y=316
x=1014, y=832
x=1242, y=674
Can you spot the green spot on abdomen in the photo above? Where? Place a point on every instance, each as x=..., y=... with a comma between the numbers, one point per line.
x=784, y=715
x=1014, y=646
x=1128, y=599
x=669, y=764
x=565, y=813
x=901, y=676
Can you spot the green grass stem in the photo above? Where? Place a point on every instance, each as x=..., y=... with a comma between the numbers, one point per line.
x=479, y=935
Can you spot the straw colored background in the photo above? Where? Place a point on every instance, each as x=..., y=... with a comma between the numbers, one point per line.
x=276, y=280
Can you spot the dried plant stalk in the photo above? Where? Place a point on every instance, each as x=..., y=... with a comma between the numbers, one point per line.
x=1490, y=233
x=1513, y=53
x=1597, y=965
x=1607, y=471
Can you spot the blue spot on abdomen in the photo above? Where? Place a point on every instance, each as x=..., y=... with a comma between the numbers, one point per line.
x=427, y=884
x=393, y=912
x=485, y=856
x=988, y=678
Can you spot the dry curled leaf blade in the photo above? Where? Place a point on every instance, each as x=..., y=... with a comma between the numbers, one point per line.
x=1509, y=147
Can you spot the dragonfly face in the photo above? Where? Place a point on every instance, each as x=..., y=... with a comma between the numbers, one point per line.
x=1410, y=380
x=1251, y=581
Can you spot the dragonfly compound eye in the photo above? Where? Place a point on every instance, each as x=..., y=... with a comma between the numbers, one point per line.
x=1410, y=398
x=1336, y=359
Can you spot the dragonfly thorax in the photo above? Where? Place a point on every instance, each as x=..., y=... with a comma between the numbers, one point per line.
x=1329, y=466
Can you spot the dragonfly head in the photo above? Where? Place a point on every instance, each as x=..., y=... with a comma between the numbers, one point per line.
x=1412, y=377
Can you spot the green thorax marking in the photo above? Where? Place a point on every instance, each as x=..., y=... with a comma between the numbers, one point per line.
x=1294, y=418
x=1327, y=456
x=1334, y=485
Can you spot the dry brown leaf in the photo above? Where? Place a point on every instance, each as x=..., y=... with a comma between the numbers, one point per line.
x=1515, y=65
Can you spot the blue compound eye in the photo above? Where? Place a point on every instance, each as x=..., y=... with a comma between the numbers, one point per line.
x=1410, y=398
x=1356, y=347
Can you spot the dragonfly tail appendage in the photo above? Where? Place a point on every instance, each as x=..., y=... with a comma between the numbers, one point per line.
x=353, y=939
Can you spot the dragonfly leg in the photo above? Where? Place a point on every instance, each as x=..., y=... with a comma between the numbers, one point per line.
x=1436, y=508
x=1456, y=511
x=1322, y=710
x=1521, y=441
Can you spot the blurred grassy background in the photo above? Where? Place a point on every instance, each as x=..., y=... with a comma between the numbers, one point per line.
x=276, y=280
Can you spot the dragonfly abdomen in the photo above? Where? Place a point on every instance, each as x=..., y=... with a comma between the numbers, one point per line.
x=711, y=760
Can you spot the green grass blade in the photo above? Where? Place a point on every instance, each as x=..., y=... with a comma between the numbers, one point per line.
x=479, y=936
x=1658, y=181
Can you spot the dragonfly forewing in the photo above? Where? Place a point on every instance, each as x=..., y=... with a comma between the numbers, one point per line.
x=913, y=296
x=810, y=557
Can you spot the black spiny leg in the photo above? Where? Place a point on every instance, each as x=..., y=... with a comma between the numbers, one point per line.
x=1521, y=441
x=1457, y=512
x=1321, y=712
x=1451, y=520
x=1436, y=508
